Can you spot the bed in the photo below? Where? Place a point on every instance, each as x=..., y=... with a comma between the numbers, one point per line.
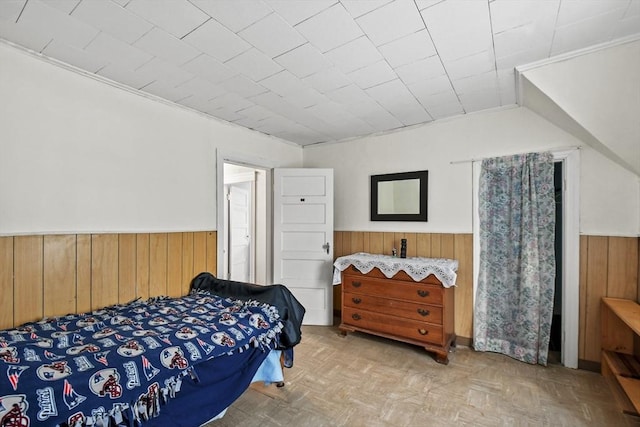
x=157, y=362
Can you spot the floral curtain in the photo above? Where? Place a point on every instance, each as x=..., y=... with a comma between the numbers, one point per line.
x=514, y=299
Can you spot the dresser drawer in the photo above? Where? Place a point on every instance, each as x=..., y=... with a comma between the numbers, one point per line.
x=399, y=308
x=392, y=325
x=408, y=291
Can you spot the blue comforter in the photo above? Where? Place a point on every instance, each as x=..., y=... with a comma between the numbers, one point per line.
x=122, y=363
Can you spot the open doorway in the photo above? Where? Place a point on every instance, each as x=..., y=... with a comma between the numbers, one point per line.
x=555, y=342
x=243, y=223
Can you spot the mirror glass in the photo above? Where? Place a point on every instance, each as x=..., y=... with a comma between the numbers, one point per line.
x=399, y=196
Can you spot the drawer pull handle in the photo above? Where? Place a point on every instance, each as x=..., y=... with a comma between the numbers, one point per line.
x=423, y=293
x=356, y=284
x=423, y=312
x=356, y=316
x=356, y=300
x=423, y=331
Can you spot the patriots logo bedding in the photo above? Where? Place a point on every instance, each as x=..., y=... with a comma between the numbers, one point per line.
x=119, y=364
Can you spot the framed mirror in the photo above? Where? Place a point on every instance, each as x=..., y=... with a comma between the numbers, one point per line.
x=399, y=196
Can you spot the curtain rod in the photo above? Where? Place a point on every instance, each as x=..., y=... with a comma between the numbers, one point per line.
x=571, y=147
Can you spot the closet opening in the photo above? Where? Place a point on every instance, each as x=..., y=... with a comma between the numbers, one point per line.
x=555, y=341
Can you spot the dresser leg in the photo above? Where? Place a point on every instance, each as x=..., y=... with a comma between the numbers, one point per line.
x=442, y=358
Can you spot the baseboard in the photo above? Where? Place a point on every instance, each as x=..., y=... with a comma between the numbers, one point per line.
x=589, y=365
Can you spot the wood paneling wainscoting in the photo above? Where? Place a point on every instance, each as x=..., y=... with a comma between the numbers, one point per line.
x=430, y=245
x=609, y=267
x=51, y=275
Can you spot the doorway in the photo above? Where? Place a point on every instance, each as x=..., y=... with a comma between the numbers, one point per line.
x=555, y=342
x=570, y=253
x=243, y=249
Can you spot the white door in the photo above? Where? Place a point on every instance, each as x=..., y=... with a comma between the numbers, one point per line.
x=303, y=239
x=240, y=232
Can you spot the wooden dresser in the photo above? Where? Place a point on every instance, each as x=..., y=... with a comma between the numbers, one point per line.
x=420, y=313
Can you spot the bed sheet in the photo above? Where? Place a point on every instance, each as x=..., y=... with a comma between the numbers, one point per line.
x=125, y=362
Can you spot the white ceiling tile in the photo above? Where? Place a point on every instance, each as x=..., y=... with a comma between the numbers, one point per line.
x=74, y=56
x=209, y=68
x=113, y=19
x=597, y=29
x=523, y=57
x=421, y=70
x=480, y=100
x=303, y=60
x=392, y=21
x=442, y=111
x=477, y=82
x=231, y=102
x=165, y=90
x=330, y=28
x=373, y=75
x=283, y=83
x=225, y=114
x=202, y=88
x=11, y=9
x=399, y=101
x=305, y=98
x=27, y=35
x=256, y=112
x=165, y=71
x=254, y=65
x=125, y=76
x=329, y=112
x=234, y=14
x=627, y=26
x=272, y=35
x=431, y=100
x=303, y=138
x=242, y=86
x=327, y=80
x=514, y=41
x=377, y=117
x=217, y=41
x=355, y=54
x=508, y=15
x=423, y=89
x=117, y=52
x=423, y=4
x=57, y=24
x=178, y=18
x=408, y=49
x=475, y=64
x=573, y=11
x=507, y=87
x=358, y=7
x=459, y=28
x=65, y=6
x=295, y=12
x=274, y=124
x=197, y=102
x=350, y=94
x=164, y=45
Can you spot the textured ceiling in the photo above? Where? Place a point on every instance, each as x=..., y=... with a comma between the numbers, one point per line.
x=311, y=71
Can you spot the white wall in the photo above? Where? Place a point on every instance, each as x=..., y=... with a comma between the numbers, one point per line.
x=599, y=89
x=487, y=134
x=78, y=155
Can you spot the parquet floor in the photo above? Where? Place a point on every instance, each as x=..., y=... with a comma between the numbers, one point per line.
x=361, y=380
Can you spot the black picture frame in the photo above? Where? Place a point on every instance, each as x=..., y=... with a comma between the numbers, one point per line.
x=421, y=196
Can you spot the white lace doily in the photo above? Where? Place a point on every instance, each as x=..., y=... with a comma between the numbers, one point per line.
x=417, y=268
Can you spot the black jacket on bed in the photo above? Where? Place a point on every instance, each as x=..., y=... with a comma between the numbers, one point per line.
x=290, y=309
